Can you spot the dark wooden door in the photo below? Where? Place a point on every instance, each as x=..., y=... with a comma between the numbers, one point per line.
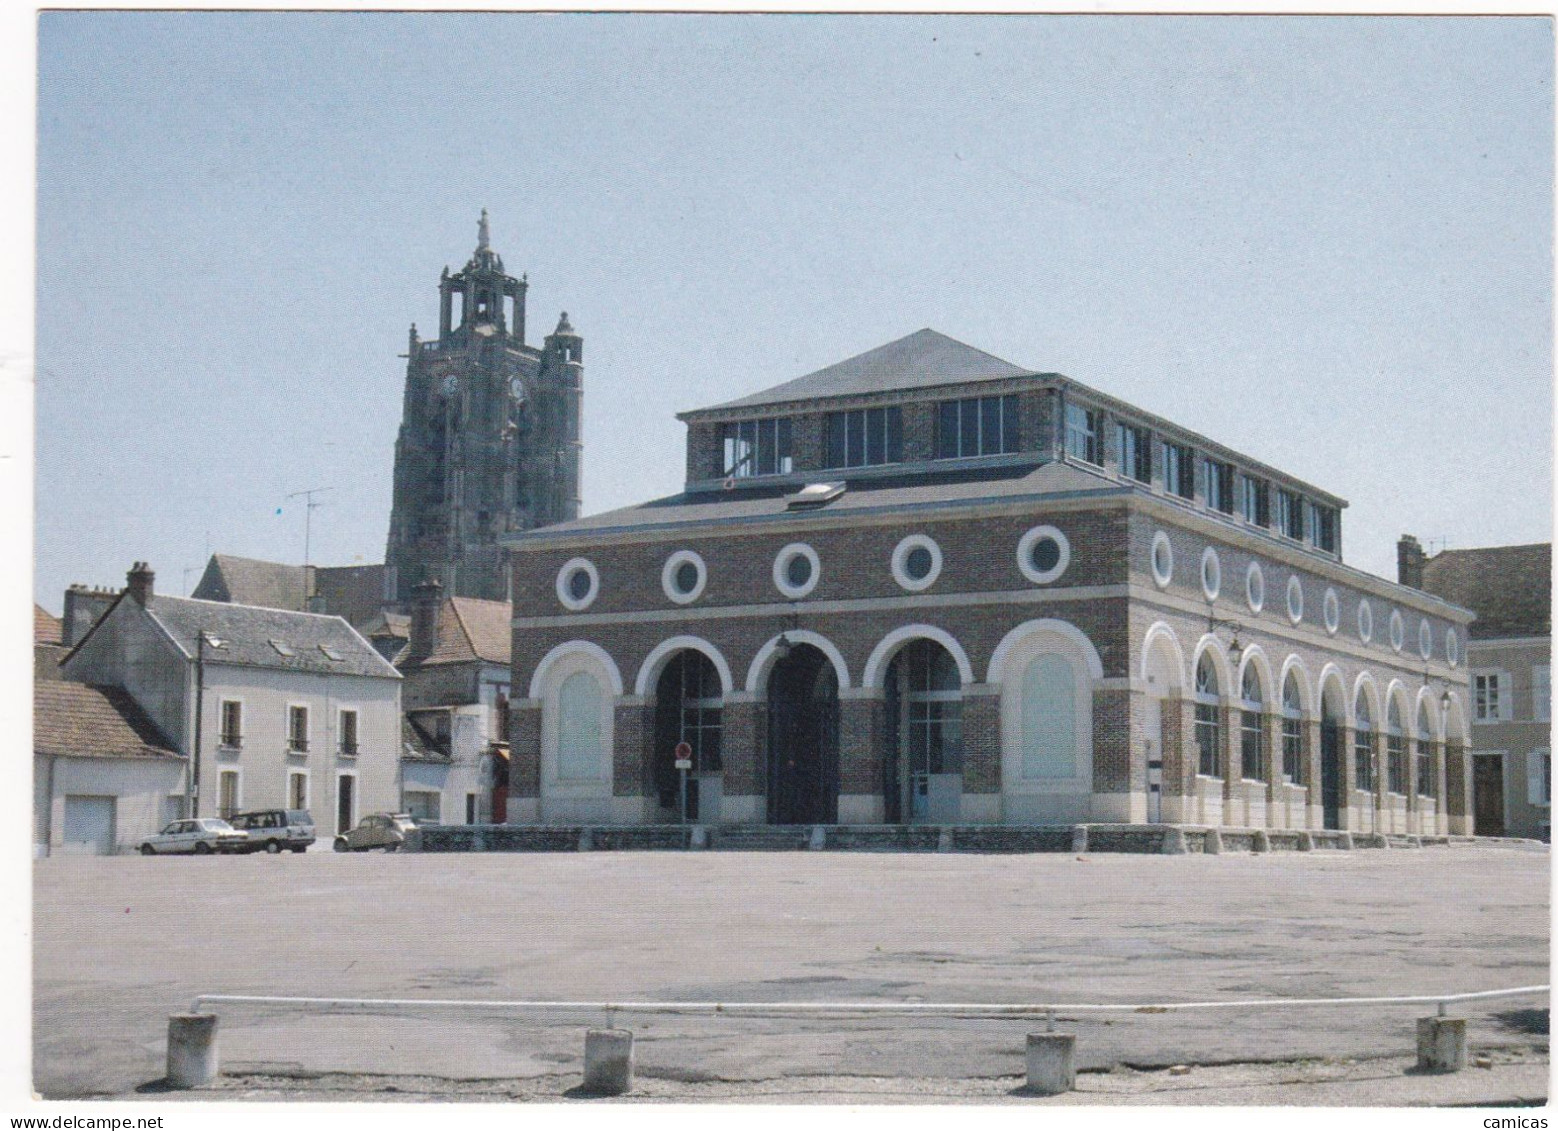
x=1487, y=788
x=803, y=721
x=1331, y=774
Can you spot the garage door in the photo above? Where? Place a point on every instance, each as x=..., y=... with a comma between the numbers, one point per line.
x=89, y=825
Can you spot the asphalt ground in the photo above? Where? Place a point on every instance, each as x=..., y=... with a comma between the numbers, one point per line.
x=121, y=943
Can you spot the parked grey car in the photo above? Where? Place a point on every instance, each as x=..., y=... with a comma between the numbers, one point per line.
x=378, y=830
x=199, y=835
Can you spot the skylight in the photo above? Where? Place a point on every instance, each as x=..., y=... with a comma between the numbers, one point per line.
x=331, y=653
x=282, y=649
x=814, y=495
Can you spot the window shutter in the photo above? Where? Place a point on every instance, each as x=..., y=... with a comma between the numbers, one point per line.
x=1536, y=770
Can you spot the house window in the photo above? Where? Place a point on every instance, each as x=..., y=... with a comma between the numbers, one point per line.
x=232, y=724
x=1488, y=689
x=422, y=804
x=1082, y=434
x=1292, y=733
x=1252, y=736
x=1541, y=693
x=1321, y=527
x=1179, y=470
x=1539, y=778
x=865, y=437
x=1363, y=747
x=1395, y=751
x=297, y=790
x=1425, y=762
x=1254, y=501
x=757, y=447
x=297, y=728
x=1290, y=515
x=348, y=732
x=227, y=794
x=1135, y=453
x=1208, y=728
x=1219, y=485
x=977, y=426
x=472, y=800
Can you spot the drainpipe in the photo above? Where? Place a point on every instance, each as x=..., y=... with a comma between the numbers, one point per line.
x=192, y=779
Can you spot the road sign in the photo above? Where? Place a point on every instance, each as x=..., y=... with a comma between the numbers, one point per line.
x=683, y=756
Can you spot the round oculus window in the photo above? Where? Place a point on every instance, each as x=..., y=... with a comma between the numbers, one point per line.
x=578, y=584
x=1211, y=573
x=1043, y=554
x=797, y=570
x=1295, y=600
x=1425, y=638
x=1365, y=621
x=1332, y=607
x=1254, y=587
x=916, y=562
x=684, y=577
x=1162, y=559
x=1398, y=630
x=1452, y=647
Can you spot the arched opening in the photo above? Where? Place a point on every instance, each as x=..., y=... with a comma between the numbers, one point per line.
x=922, y=767
x=803, y=779
x=1362, y=744
x=1252, y=730
x=1395, y=749
x=1209, y=738
x=688, y=707
x=1333, y=715
x=1292, y=731
x=1163, y=668
x=1427, y=784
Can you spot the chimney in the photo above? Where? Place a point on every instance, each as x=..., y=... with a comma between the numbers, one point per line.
x=1409, y=562
x=426, y=602
x=140, y=580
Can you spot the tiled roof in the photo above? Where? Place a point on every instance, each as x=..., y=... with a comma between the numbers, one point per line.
x=79, y=720
x=754, y=505
x=1508, y=587
x=250, y=581
x=46, y=627
x=248, y=634
x=416, y=746
x=922, y=360
x=468, y=629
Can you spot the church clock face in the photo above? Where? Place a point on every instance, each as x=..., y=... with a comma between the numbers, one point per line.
x=451, y=385
x=517, y=388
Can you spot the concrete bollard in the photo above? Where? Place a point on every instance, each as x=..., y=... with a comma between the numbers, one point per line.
x=700, y=837
x=1345, y=842
x=1441, y=1044
x=608, y=1062
x=1213, y=844
x=944, y=840
x=819, y=838
x=1079, y=838
x=1306, y=843
x=192, y=1050
x=1052, y=1067
x=1260, y=842
x=1173, y=841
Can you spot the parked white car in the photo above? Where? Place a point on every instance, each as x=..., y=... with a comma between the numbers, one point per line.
x=200, y=835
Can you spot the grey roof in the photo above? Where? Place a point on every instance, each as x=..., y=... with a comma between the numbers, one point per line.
x=910, y=490
x=922, y=360
x=247, y=633
x=1508, y=587
x=250, y=581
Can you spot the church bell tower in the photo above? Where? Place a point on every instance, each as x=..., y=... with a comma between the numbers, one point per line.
x=489, y=435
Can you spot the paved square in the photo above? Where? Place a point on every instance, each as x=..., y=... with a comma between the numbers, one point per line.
x=122, y=943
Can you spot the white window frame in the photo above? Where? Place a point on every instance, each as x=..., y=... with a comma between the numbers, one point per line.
x=288, y=774
x=237, y=772
x=1539, y=778
x=1542, y=707
x=782, y=568
x=221, y=710
x=340, y=730
x=673, y=565
x=564, y=575
x=1503, y=707
x=900, y=562
x=1025, y=555
x=308, y=728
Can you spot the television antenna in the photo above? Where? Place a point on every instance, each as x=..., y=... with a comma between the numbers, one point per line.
x=308, y=529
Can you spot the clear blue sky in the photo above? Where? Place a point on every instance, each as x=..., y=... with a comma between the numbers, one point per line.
x=1325, y=242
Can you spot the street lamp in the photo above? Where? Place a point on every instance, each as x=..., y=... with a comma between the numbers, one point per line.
x=203, y=640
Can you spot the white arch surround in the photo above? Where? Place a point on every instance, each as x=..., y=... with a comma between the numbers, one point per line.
x=1227, y=688
x=887, y=647
x=1396, y=692
x=1095, y=666
x=1170, y=640
x=1455, y=721
x=1307, y=704
x=1365, y=684
x=587, y=647
x=1255, y=654
x=1333, y=675
x=757, y=674
x=1427, y=699
x=649, y=670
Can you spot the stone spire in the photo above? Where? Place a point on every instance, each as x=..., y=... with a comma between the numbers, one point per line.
x=482, y=239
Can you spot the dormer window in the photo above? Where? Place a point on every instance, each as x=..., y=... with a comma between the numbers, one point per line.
x=976, y=426
x=1135, y=453
x=865, y=437
x=1219, y=485
x=1290, y=515
x=757, y=447
x=1082, y=434
x=1254, y=501
x=1179, y=470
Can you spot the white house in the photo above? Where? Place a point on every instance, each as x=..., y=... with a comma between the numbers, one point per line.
x=295, y=710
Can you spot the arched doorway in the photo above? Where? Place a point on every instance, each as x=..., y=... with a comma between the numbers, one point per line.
x=1332, y=717
x=689, y=704
x=803, y=779
x=922, y=766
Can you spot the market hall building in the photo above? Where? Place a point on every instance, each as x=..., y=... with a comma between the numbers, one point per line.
x=925, y=585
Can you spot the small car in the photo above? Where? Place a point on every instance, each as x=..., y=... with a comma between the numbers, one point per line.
x=275, y=829
x=199, y=835
x=377, y=830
